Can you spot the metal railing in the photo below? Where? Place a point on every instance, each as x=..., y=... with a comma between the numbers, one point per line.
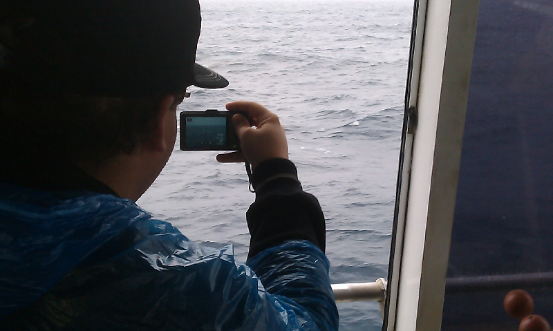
x=351, y=292
x=372, y=291
x=498, y=282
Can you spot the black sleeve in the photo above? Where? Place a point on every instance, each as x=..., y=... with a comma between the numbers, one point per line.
x=282, y=210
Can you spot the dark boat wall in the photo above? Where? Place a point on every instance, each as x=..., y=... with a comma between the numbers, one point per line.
x=503, y=229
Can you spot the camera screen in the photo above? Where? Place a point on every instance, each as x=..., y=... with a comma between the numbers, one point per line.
x=205, y=132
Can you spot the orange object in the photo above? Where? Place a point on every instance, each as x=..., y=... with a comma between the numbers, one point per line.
x=534, y=323
x=518, y=303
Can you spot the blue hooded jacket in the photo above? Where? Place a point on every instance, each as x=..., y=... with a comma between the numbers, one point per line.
x=89, y=261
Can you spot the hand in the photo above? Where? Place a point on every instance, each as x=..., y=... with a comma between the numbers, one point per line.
x=266, y=141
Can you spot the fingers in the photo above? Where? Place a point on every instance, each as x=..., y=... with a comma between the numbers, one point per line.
x=266, y=141
x=252, y=108
x=241, y=124
x=233, y=157
x=255, y=111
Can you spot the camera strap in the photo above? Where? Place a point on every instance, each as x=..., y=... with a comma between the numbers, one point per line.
x=259, y=185
x=249, y=172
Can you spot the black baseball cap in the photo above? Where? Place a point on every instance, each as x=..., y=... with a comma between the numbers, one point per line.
x=122, y=48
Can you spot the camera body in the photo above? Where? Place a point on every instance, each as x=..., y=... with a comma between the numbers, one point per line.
x=209, y=130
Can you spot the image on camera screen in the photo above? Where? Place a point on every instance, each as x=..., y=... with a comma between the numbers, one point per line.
x=206, y=132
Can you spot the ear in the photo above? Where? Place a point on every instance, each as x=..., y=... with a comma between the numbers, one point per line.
x=157, y=141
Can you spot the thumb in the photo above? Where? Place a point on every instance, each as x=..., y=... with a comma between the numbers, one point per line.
x=241, y=124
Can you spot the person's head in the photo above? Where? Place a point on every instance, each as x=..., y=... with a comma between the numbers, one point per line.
x=85, y=80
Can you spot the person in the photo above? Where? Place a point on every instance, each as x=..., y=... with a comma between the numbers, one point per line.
x=88, y=99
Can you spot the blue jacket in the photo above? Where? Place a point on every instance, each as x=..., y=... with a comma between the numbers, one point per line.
x=89, y=261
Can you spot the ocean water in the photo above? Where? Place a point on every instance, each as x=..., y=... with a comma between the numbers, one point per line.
x=335, y=72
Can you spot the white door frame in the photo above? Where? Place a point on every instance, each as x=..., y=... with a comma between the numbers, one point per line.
x=441, y=58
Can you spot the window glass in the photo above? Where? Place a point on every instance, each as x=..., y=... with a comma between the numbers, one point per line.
x=334, y=71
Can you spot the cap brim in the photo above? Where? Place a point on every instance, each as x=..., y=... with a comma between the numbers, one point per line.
x=207, y=78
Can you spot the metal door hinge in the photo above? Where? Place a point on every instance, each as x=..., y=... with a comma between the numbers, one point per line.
x=412, y=117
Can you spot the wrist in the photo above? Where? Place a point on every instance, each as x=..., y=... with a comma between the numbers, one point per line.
x=271, y=170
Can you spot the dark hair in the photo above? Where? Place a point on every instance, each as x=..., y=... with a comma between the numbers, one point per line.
x=73, y=127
